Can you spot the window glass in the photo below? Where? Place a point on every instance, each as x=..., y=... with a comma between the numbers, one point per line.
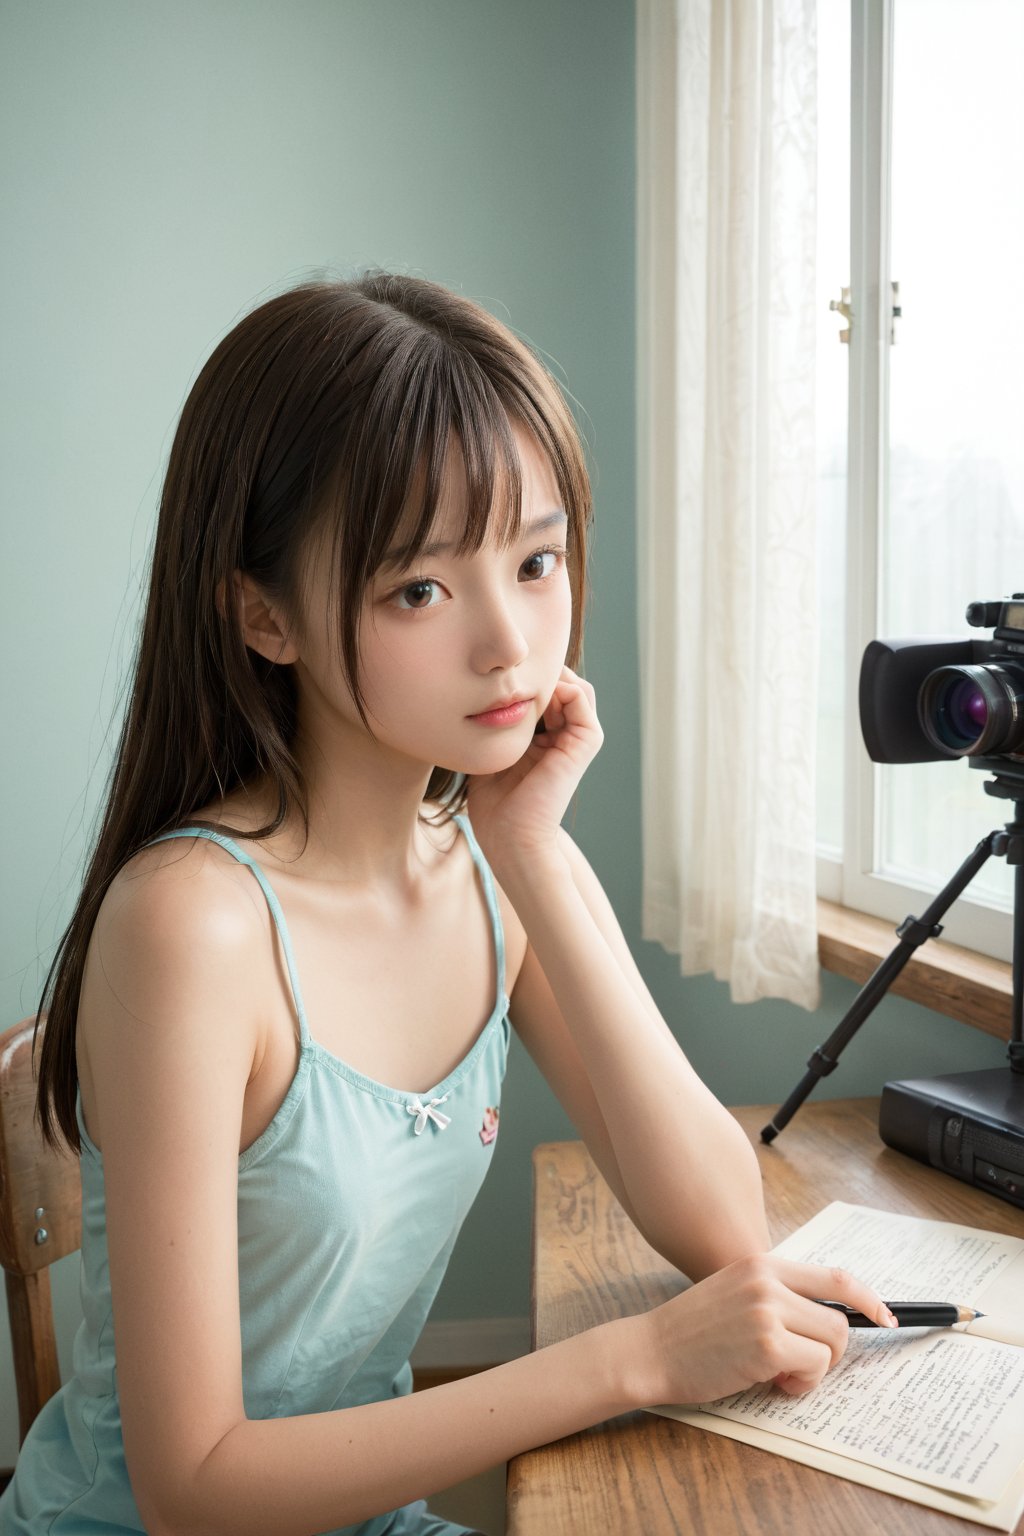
x=953, y=525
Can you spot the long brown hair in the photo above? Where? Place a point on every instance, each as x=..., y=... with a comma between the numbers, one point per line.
x=314, y=416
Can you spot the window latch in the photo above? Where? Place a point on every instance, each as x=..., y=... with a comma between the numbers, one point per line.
x=842, y=307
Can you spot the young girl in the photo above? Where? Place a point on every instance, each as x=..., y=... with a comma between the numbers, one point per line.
x=330, y=874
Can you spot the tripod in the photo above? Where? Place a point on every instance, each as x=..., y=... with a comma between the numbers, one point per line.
x=1007, y=842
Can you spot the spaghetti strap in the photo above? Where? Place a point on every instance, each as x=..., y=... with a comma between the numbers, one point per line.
x=272, y=902
x=484, y=871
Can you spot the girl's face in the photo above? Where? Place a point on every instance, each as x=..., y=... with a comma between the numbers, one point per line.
x=459, y=654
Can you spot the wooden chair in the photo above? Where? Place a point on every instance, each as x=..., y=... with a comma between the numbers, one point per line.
x=40, y=1221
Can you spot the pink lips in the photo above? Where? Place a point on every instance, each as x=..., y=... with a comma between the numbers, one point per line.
x=504, y=714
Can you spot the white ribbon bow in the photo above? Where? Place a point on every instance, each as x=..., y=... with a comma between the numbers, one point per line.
x=425, y=1112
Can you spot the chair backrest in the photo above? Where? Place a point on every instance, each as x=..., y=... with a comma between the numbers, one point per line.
x=40, y=1221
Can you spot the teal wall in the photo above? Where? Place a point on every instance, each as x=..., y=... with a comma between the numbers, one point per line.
x=164, y=166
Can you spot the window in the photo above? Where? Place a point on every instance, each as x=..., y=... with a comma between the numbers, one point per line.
x=921, y=448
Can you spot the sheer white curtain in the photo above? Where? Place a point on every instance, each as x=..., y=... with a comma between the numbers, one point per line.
x=726, y=515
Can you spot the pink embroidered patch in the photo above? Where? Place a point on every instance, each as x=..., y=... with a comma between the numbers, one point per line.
x=489, y=1129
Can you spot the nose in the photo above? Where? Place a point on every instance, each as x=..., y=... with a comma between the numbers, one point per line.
x=498, y=641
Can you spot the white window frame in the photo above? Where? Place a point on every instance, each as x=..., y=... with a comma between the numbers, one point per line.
x=853, y=881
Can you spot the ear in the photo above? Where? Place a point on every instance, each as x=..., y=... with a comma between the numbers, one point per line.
x=264, y=628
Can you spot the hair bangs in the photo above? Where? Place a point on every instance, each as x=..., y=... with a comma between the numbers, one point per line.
x=490, y=460
x=449, y=440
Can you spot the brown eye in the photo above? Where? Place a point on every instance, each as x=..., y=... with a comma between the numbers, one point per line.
x=544, y=562
x=418, y=594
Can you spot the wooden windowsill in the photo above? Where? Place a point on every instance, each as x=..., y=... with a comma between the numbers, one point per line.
x=954, y=981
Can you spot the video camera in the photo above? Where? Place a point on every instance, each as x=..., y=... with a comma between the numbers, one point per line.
x=925, y=700
x=922, y=701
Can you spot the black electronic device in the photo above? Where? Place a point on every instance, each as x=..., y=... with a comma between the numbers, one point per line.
x=921, y=701
x=968, y=1124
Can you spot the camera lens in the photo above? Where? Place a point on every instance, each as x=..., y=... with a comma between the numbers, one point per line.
x=966, y=710
x=973, y=710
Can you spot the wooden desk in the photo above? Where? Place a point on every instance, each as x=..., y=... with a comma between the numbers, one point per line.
x=647, y=1475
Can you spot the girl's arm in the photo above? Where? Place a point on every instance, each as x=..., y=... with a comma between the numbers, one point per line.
x=677, y=1160
x=171, y=1026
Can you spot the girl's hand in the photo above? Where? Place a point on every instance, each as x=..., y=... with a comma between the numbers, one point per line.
x=756, y=1320
x=516, y=813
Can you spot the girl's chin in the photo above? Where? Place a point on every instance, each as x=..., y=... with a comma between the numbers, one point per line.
x=495, y=758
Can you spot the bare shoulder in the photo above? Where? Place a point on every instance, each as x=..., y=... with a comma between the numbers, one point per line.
x=172, y=893
x=178, y=934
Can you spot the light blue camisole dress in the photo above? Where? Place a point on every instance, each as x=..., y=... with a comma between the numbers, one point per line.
x=349, y=1205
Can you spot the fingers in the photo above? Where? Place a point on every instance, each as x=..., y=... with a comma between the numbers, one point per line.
x=795, y=1383
x=573, y=702
x=803, y=1339
x=808, y=1361
x=570, y=680
x=834, y=1284
x=759, y=1319
x=825, y=1330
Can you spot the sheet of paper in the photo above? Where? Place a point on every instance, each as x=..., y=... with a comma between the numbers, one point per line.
x=907, y=1258
x=932, y=1415
x=932, y=1405
x=1000, y=1325
x=926, y=1403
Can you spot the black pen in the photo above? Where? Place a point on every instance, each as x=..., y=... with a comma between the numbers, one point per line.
x=911, y=1314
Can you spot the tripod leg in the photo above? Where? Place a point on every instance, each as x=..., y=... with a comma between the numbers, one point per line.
x=912, y=933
